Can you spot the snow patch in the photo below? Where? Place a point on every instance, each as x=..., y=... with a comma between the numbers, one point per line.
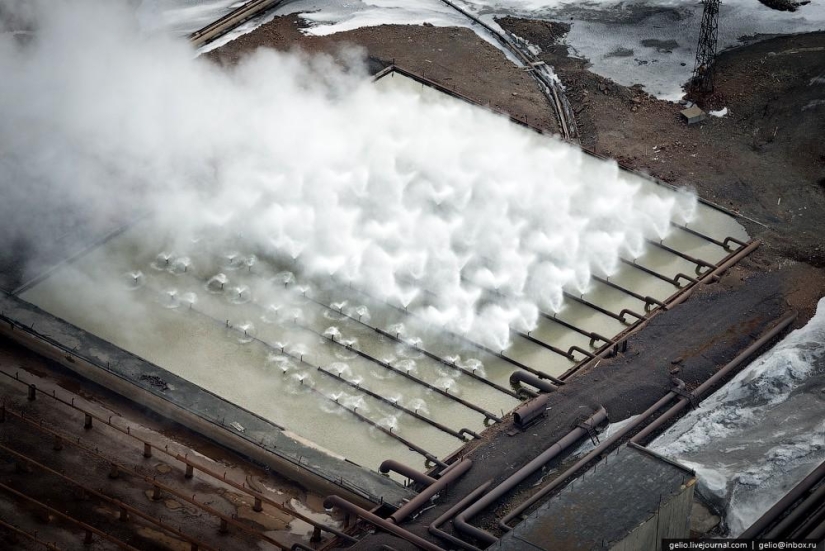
x=760, y=434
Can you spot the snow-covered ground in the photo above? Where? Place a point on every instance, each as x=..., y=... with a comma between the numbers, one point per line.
x=762, y=433
x=648, y=42
x=181, y=17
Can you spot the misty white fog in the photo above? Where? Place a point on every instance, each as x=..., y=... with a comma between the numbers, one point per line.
x=308, y=161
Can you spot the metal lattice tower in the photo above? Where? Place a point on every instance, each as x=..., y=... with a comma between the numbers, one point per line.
x=706, y=49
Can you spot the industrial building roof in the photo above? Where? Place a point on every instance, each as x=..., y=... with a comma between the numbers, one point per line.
x=602, y=506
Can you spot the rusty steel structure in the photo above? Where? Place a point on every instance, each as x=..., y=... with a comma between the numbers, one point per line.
x=677, y=393
x=148, y=448
x=702, y=81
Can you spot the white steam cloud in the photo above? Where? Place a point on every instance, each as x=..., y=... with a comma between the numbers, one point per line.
x=309, y=160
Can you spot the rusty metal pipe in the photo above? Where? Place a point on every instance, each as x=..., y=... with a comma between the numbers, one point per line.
x=405, y=470
x=725, y=244
x=716, y=377
x=532, y=410
x=672, y=280
x=593, y=454
x=797, y=514
x=783, y=504
x=391, y=403
x=543, y=385
x=693, y=260
x=148, y=445
x=592, y=306
x=818, y=533
x=543, y=344
x=586, y=353
x=72, y=520
x=730, y=262
x=435, y=527
x=428, y=493
x=817, y=516
x=461, y=521
x=589, y=334
x=351, y=508
x=648, y=300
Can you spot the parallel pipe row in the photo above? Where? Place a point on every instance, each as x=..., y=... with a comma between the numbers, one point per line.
x=190, y=465
x=768, y=527
x=120, y=505
x=395, y=404
x=677, y=393
x=472, y=343
x=119, y=467
x=350, y=508
x=461, y=521
x=676, y=298
x=487, y=414
x=389, y=432
x=89, y=529
x=396, y=338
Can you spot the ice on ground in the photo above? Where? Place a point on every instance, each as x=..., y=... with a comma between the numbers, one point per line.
x=720, y=113
x=762, y=433
x=651, y=42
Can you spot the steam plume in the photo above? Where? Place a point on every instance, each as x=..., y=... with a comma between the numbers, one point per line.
x=309, y=160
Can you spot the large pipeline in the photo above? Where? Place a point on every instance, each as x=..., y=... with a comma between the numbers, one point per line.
x=781, y=530
x=716, y=377
x=528, y=378
x=812, y=523
x=405, y=470
x=429, y=492
x=531, y=411
x=435, y=526
x=593, y=454
x=785, y=503
x=231, y=20
x=674, y=300
x=461, y=521
x=375, y=520
x=681, y=404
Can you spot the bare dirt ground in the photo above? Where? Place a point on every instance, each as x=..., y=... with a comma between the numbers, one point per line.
x=454, y=57
x=765, y=159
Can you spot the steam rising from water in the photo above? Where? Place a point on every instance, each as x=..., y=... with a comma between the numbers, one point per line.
x=305, y=160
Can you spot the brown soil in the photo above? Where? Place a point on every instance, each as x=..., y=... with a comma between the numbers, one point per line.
x=454, y=57
x=765, y=159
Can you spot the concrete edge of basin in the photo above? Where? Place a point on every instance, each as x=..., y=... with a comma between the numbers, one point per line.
x=192, y=406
